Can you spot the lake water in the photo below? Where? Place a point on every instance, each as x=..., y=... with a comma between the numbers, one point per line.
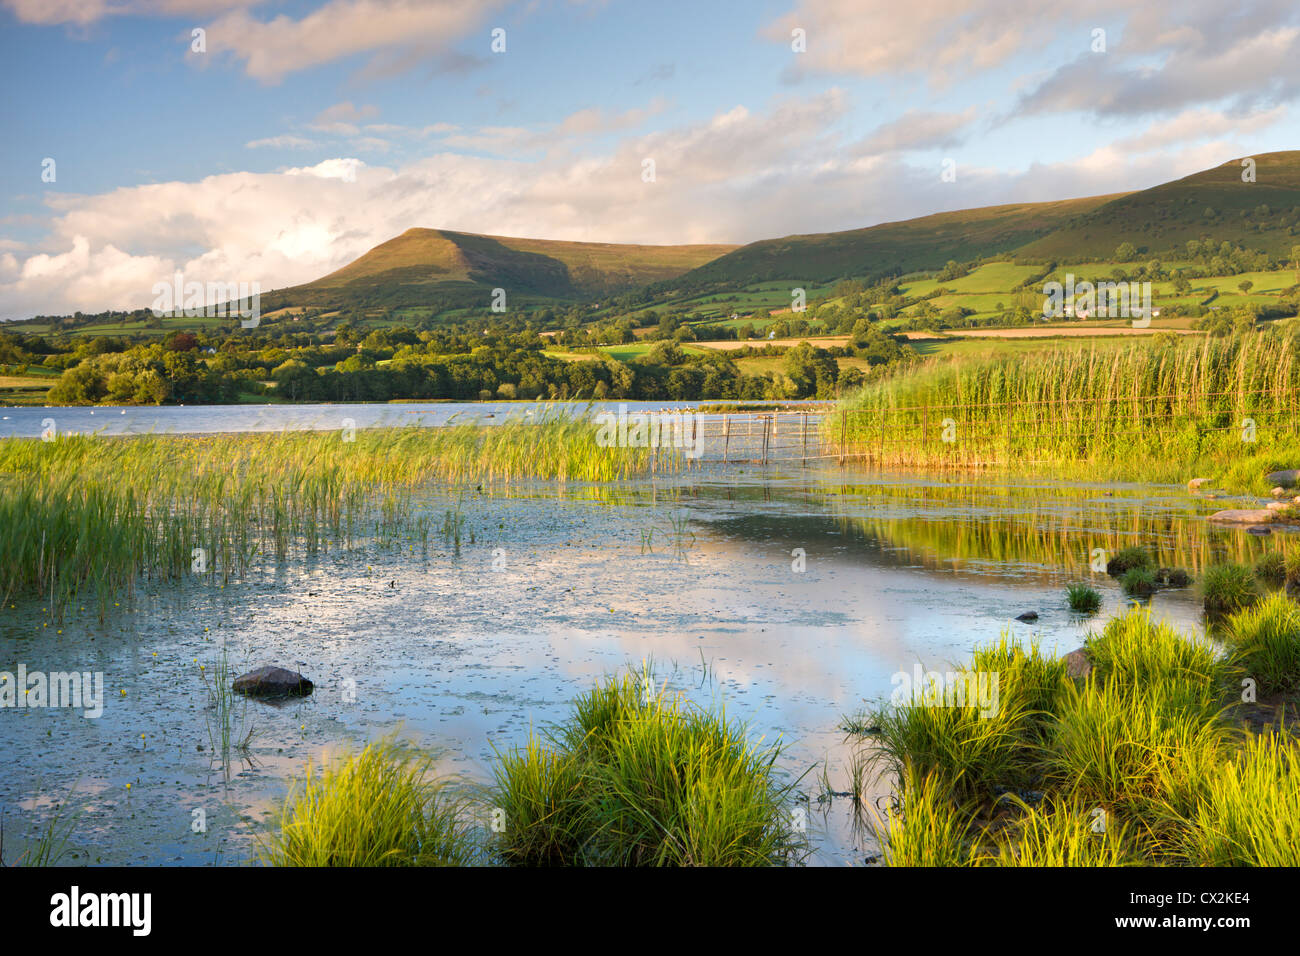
x=30, y=421
x=553, y=587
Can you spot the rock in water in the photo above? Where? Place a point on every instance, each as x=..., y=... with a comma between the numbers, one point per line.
x=1028, y=617
x=273, y=682
x=1287, y=479
x=1077, y=663
x=1243, y=516
x=1197, y=482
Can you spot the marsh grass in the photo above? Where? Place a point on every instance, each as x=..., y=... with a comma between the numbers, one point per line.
x=50, y=844
x=1082, y=599
x=228, y=726
x=381, y=807
x=1128, y=559
x=1249, y=812
x=1061, y=832
x=1146, y=743
x=1139, y=581
x=640, y=777
x=1141, y=412
x=1265, y=640
x=925, y=826
x=1228, y=588
x=1271, y=568
x=100, y=512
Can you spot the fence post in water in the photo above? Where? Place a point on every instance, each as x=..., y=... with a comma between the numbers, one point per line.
x=844, y=432
x=726, y=437
x=805, y=438
x=767, y=434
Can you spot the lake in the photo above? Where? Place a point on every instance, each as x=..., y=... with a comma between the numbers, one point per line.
x=791, y=594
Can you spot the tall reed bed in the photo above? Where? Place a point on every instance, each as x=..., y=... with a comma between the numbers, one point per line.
x=1140, y=761
x=99, y=511
x=1144, y=411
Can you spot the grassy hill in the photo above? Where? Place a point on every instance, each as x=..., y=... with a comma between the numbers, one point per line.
x=460, y=268
x=909, y=246
x=1263, y=215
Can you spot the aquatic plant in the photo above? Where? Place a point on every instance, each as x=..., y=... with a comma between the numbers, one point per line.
x=1228, y=588
x=381, y=807
x=1139, y=581
x=1082, y=598
x=1265, y=640
x=640, y=777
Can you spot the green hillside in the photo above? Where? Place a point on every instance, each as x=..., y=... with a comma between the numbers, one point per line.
x=894, y=247
x=461, y=269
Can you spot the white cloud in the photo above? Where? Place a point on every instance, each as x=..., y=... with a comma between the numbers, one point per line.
x=281, y=142
x=737, y=176
x=396, y=34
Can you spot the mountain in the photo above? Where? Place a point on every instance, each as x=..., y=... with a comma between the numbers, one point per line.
x=1263, y=215
x=423, y=266
x=907, y=246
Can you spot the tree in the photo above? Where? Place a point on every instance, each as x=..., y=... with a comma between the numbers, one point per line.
x=1245, y=286
x=1126, y=252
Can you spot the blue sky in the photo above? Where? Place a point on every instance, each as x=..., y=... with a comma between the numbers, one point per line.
x=304, y=132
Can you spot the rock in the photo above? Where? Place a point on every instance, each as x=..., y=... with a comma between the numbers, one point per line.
x=1197, y=482
x=1077, y=663
x=273, y=682
x=1243, y=516
x=1279, y=492
x=1259, y=529
x=1287, y=479
x=1277, y=505
x=1028, y=617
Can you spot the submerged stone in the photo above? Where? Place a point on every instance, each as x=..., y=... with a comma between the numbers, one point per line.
x=1027, y=617
x=273, y=682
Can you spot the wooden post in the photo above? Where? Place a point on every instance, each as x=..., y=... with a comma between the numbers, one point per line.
x=726, y=437
x=844, y=433
x=805, y=438
x=767, y=428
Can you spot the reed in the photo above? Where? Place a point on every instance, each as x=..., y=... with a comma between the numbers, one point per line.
x=1265, y=640
x=1140, y=412
x=100, y=512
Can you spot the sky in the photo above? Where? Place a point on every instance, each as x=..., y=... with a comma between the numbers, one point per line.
x=273, y=141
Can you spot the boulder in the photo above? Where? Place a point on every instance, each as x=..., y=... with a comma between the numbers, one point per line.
x=1197, y=482
x=273, y=682
x=1278, y=505
x=1077, y=663
x=1243, y=516
x=1287, y=479
x=1028, y=617
x=1259, y=529
x=1279, y=492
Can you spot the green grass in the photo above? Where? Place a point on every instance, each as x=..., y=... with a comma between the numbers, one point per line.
x=1082, y=598
x=381, y=807
x=1271, y=568
x=1228, y=588
x=1138, y=763
x=1266, y=643
x=1143, y=412
x=1249, y=811
x=89, y=511
x=641, y=777
x=1139, y=582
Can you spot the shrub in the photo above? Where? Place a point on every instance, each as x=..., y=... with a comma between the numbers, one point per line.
x=1139, y=581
